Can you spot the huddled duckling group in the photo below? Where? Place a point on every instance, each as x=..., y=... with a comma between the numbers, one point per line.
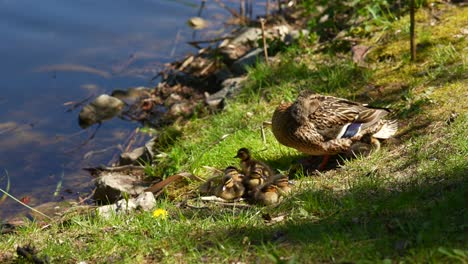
x=254, y=181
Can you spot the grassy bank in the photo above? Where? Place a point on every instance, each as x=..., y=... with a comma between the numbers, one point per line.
x=406, y=202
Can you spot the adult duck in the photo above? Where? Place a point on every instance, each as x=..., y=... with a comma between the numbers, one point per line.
x=325, y=125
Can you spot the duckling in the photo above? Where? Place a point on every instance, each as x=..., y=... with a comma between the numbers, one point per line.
x=267, y=194
x=325, y=125
x=282, y=182
x=231, y=187
x=256, y=172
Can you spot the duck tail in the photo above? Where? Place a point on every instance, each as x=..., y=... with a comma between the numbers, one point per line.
x=388, y=129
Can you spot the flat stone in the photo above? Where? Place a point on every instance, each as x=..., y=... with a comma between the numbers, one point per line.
x=229, y=88
x=138, y=155
x=111, y=185
x=145, y=201
x=249, y=59
x=245, y=40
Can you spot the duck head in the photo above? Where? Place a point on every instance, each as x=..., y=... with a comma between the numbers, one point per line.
x=243, y=154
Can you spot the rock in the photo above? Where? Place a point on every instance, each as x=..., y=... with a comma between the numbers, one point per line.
x=294, y=35
x=145, y=201
x=278, y=32
x=230, y=87
x=133, y=94
x=249, y=59
x=139, y=155
x=197, y=23
x=245, y=35
x=359, y=54
x=237, y=47
x=135, y=156
x=104, y=107
x=110, y=186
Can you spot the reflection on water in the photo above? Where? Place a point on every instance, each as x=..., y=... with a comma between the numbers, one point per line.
x=54, y=52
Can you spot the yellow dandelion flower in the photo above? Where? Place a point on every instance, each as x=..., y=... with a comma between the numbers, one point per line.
x=160, y=213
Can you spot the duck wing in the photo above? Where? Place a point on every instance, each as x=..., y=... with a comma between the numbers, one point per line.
x=334, y=117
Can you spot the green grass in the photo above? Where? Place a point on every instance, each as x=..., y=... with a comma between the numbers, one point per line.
x=403, y=204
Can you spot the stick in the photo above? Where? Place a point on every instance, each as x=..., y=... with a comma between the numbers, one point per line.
x=263, y=134
x=412, y=38
x=176, y=41
x=196, y=42
x=267, y=8
x=202, y=5
x=230, y=10
x=265, y=51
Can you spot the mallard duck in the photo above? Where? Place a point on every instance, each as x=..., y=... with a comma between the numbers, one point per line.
x=231, y=187
x=325, y=125
x=256, y=172
x=267, y=194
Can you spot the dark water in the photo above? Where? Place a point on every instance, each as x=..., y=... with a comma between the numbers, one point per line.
x=56, y=51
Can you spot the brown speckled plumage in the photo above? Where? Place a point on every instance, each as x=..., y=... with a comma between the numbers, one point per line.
x=231, y=187
x=314, y=124
x=267, y=194
x=256, y=172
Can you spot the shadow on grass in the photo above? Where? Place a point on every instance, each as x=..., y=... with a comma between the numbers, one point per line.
x=372, y=222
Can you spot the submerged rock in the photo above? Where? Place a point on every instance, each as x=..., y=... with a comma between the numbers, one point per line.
x=197, y=23
x=104, y=107
x=133, y=94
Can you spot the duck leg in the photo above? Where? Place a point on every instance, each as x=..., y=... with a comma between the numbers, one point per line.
x=324, y=162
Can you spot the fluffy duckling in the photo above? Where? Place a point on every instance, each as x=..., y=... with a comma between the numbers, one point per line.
x=325, y=125
x=282, y=182
x=231, y=187
x=256, y=172
x=267, y=194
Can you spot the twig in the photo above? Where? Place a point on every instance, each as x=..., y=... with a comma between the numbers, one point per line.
x=176, y=41
x=196, y=42
x=265, y=51
x=87, y=197
x=77, y=104
x=263, y=134
x=114, y=169
x=131, y=139
x=27, y=206
x=230, y=10
x=155, y=188
x=90, y=153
